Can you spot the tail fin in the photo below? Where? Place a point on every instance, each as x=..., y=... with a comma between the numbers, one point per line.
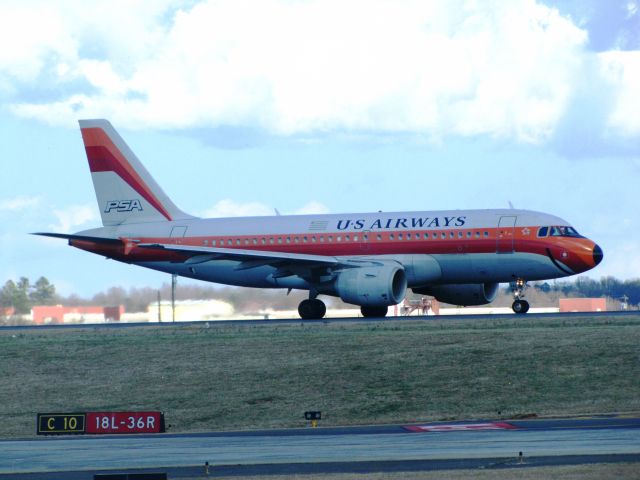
x=125, y=190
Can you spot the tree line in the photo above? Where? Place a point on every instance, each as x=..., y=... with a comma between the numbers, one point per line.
x=22, y=294
x=609, y=287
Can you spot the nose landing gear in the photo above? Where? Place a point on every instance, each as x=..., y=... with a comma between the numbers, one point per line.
x=518, y=288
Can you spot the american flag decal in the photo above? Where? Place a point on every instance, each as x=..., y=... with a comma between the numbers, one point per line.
x=318, y=225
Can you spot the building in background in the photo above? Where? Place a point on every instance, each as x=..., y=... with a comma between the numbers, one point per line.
x=583, y=304
x=45, y=314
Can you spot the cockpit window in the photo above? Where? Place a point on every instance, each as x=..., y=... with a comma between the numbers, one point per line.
x=543, y=231
x=564, y=231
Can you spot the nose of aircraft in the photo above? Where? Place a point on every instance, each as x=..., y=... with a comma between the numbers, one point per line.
x=597, y=254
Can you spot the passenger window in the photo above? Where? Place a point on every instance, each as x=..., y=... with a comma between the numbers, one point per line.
x=213, y=243
x=355, y=238
x=399, y=236
x=426, y=235
x=378, y=237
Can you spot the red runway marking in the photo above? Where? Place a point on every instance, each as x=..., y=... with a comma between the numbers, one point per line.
x=457, y=427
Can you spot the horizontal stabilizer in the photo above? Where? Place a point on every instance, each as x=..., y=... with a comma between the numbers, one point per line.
x=66, y=236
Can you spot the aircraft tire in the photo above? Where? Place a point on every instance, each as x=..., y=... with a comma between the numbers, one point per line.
x=312, y=309
x=370, y=312
x=520, y=306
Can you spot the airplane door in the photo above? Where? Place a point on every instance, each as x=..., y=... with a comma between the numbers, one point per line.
x=366, y=237
x=177, y=233
x=506, y=230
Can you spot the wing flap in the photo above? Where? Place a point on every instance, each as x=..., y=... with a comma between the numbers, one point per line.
x=250, y=258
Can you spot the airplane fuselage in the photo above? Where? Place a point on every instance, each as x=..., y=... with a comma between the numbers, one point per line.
x=473, y=246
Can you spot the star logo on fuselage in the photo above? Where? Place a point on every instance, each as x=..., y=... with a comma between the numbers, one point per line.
x=526, y=231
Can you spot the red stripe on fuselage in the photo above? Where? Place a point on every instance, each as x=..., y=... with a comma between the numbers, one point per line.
x=104, y=156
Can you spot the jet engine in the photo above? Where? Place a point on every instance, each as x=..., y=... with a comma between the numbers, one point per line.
x=467, y=295
x=372, y=286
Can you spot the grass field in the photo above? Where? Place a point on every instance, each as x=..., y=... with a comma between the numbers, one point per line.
x=245, y=377
x=573, y=472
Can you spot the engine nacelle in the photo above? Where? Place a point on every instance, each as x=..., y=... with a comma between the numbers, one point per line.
x=372, y=286
x=468, y=294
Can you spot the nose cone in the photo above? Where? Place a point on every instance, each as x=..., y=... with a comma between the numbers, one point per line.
x=597, y=255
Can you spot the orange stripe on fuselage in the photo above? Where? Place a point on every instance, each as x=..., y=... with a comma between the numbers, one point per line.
x=579, y=251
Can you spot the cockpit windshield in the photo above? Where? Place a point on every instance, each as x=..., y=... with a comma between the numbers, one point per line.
x=559, y=231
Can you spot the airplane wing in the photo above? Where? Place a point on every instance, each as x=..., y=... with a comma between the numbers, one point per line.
x=288, y=264
x=203, y=254
x=303, y=265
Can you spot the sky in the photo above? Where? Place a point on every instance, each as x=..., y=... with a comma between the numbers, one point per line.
x=239, y=107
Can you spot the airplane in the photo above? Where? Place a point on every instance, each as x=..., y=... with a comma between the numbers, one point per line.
x=366, y=259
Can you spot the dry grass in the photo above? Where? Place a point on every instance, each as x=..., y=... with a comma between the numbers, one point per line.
x=246, y=377
x=572, y=472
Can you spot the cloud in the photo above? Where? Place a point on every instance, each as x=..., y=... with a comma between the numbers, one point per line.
x=20, y=203
x=229, y=208
x=498, y=69
x=72, y=218
x=622, y=70
x=311, y=208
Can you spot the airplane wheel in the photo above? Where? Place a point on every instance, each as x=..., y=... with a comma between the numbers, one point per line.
x=312, y=309
x=520, y=306
x=370, y=312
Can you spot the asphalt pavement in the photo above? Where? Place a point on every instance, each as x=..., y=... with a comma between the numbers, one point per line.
x=486, y=444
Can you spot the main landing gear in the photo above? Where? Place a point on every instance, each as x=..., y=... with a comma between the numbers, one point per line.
x=519, y=305
x=312, y=309
x=369, y=312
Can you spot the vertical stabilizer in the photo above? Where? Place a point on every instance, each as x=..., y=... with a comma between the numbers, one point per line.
x=125, y=190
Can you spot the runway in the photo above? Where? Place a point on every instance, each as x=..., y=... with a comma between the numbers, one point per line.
x=298, y=321
x=486, y=444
